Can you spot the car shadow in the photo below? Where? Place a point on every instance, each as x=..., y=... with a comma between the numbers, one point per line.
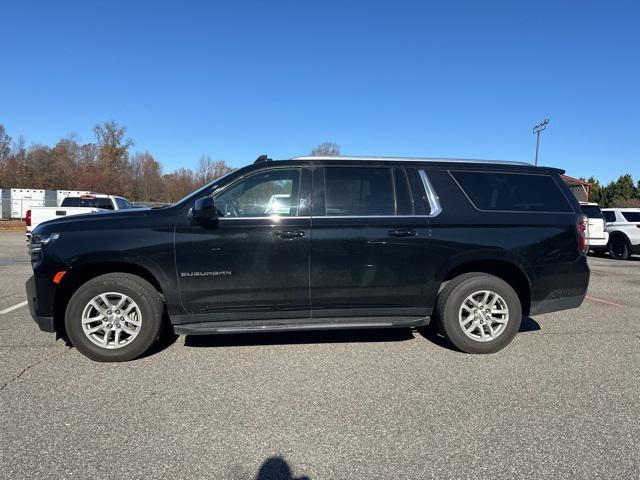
x=528, y=324
x=306, y=337
x=277, y=468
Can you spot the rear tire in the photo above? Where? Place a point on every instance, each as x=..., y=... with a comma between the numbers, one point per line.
x=101, y=331
x=473, y=326
x=619, y=248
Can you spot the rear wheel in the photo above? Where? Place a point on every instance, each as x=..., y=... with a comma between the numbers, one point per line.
x=479, y=313
x=619, y=247
x=114, y=317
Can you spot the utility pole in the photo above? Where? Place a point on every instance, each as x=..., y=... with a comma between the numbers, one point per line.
x=537, y=129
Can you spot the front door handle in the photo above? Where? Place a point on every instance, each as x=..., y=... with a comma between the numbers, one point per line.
x=401, y=233
x=288, y=234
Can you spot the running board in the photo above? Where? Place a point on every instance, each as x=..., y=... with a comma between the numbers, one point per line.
x=290, y=325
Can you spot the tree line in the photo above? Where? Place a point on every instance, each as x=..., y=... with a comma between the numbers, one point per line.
x=109, y=165
x=621, y=193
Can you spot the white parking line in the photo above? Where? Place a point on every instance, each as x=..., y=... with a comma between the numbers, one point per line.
x=15, y=307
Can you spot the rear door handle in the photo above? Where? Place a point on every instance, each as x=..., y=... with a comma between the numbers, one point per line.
x=290, y=234
x=401, y=233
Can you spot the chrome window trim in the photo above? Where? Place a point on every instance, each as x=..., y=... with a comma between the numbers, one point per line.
x=283, y=217
x=432, y=196
x=270, y=217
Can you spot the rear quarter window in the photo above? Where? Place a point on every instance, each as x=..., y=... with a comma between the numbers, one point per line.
x=514, y=192
x=609, y=216
x=631, y=216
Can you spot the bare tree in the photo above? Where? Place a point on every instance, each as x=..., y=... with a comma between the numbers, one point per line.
x=209, y=169
x=147, y=177
x=326, y=149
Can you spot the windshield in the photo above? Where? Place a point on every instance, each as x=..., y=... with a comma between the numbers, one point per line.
x=203, y=188
x=592, y=211
x=90, y=202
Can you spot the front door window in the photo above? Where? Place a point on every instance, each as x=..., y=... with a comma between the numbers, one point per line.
x=268, y=193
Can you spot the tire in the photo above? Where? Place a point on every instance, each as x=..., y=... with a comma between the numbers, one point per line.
x=450, y=305
x=135, y=328
x=619, y=248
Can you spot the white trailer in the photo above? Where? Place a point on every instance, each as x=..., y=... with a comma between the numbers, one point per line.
x=23, y=199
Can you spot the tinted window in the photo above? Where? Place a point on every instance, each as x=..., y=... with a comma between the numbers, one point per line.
x=512, y=191
x=357, y=191
x=609, y=216
x=591, y=211
x=631, y=216
x=404, y=201
x=123, y=204
x=90, y=202
x=419, y=198
x=263, y=194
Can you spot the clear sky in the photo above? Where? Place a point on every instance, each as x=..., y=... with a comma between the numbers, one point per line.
x=418, y=78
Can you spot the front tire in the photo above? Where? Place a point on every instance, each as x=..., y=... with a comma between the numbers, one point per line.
x=479, y=313
x=115, y=317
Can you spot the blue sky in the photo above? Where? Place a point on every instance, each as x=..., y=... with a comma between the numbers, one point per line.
x=239, y=78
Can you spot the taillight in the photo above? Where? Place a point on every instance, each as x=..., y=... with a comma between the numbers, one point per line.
x=28, y=218
x=581, y=229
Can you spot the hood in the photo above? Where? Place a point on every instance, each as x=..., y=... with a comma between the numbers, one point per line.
x=99, y=220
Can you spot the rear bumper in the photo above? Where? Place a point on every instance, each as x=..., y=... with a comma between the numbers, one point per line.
x=560, y=286
x=599, y=241
x=45, y=323
x=555, y=304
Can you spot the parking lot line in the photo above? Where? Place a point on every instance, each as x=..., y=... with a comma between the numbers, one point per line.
x=605, y=302
x=15, y=307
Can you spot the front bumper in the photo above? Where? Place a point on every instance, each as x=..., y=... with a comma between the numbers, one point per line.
x=45, y=323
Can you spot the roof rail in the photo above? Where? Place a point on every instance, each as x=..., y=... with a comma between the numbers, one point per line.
x=413, y=159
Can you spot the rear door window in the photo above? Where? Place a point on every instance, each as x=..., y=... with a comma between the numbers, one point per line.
x=359, y=191
x=512, y=191
x=631, y=216
x=592, y=211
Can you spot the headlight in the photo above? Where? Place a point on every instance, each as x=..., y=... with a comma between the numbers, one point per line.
x=39, y=241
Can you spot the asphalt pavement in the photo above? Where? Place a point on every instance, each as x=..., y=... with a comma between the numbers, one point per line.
x=561, y=401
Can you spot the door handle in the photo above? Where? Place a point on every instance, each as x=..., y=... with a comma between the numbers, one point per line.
x=401, y=233
x=288, y=234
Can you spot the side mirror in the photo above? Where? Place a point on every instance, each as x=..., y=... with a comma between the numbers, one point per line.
x=204, y=210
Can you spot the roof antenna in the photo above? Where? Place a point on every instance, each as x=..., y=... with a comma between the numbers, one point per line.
x=262, y=158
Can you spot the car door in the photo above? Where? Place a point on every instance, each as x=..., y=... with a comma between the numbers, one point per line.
x=253, y=261
x=368, y=242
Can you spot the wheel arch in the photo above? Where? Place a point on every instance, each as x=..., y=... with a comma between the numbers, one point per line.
x=506, y=270
x=76, y=277
x=621, y=234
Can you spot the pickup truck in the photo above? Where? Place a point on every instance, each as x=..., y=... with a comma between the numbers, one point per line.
x=91, y=203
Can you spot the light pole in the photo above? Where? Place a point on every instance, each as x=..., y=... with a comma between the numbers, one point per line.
x=537, y=129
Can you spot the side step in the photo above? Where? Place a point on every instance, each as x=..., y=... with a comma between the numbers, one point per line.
x=293, y=325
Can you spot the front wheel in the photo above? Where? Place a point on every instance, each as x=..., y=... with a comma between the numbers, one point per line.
x=115, y=317
x=479, y=313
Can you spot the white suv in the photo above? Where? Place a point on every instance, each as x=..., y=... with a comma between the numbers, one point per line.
x=597, y=235
x=623, y=225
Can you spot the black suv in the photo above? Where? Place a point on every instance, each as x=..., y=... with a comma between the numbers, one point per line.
x=319, y=243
